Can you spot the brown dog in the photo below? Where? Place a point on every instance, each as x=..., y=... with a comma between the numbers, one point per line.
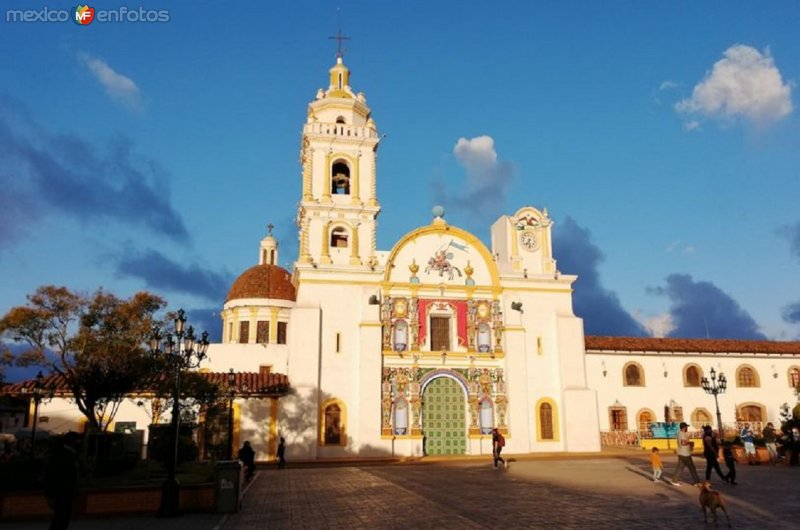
x=711, y=500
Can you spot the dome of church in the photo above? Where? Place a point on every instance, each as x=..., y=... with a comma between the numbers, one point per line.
x=263, y=281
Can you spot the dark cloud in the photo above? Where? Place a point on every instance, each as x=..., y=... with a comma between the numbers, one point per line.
x=206, y=319
x=600, y=308
x=44, y=171
x=17, y=212
x=792, y=233
x=161, y=273
x=701, y=309
x=791, y=313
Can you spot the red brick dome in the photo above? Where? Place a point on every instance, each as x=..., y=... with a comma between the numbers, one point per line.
x=263, y=281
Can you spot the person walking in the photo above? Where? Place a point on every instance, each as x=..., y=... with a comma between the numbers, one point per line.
x=770, y=440
x=730, y=462
x=658, y=466
x=749, y=444
x=282, y=453
x=498, y=442
x=61, y=480
x=248, y=458
x=685, y=446
x=711, y=452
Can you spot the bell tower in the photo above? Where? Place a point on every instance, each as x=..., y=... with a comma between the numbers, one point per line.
x=337, y=213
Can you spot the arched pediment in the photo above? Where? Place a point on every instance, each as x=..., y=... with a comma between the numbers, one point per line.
x=441, y=254
x=530, y=217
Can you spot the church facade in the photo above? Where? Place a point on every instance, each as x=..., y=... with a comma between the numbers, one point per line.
x=423, y=348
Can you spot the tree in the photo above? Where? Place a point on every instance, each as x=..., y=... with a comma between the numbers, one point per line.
x=5, y=360
x=95, y=342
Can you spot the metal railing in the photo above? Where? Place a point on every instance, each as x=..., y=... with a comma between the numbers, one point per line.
x=633, y=438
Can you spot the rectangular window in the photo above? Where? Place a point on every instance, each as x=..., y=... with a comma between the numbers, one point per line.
x=440, y=333
x=618, y=418
x=281, y=332
x=125, y=427
x=262, y=332
x=244, y=332
x=230, y=331
x=338, y=342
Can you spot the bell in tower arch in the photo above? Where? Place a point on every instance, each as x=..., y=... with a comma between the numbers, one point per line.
x=340, y=179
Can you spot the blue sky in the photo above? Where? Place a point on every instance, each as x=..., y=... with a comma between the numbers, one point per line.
x=662, y=137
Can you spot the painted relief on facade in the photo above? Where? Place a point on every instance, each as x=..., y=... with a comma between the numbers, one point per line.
x=440, y=262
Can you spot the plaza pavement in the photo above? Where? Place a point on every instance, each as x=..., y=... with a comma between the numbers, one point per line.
x=613, y=490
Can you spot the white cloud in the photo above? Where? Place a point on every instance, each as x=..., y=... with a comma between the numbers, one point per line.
x=476, y=155
x=745, y=83
x=119, y=87
x=656, y=325
x=691, y=125
x=668, y=84
x=680, y=246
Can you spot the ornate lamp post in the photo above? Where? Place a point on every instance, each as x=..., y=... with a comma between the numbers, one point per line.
x=231, y=394
x=180, y=351
x=39, y=394
x=716, y=386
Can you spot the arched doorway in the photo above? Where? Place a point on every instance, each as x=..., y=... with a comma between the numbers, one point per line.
x=444, y=417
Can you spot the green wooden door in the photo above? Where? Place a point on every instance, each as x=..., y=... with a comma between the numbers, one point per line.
x=444, y=418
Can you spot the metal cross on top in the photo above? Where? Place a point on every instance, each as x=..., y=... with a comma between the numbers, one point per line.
x=270, y=227
x=339, y=37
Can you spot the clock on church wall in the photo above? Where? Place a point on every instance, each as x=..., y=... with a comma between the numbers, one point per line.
x=529, y=240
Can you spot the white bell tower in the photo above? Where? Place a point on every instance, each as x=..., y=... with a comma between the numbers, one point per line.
x=337, y=214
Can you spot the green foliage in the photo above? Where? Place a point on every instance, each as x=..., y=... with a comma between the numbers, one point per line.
x=93, y=341
x=6, y=359
x=159, y=446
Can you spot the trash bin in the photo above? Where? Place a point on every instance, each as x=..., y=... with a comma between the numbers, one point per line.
x=228, y=481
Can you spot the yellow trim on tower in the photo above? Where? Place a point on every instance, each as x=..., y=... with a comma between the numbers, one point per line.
x=355, y=182
x=325, y=255
x=326, y=186
x=273, y=325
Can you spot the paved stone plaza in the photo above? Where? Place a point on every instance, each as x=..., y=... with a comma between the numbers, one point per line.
x=538, y=493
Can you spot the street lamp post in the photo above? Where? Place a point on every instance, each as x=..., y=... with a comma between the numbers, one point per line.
x=180, y=351
x=716, y=386
x=231, y=394
x=38, y=392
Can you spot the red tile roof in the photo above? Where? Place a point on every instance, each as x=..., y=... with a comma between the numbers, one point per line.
x=246, y=384
x=643, y=344
x=263, y=281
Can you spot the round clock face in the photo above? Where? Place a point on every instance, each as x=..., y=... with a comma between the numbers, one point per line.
x=529, y=240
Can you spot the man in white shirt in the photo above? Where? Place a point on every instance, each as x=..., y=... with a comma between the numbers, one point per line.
x=685, y=446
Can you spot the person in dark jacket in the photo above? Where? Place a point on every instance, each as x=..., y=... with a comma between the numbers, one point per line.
x=61, y=479
x=248, y=457
x=282, y=453
x=730, y=462
x=711, y=452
